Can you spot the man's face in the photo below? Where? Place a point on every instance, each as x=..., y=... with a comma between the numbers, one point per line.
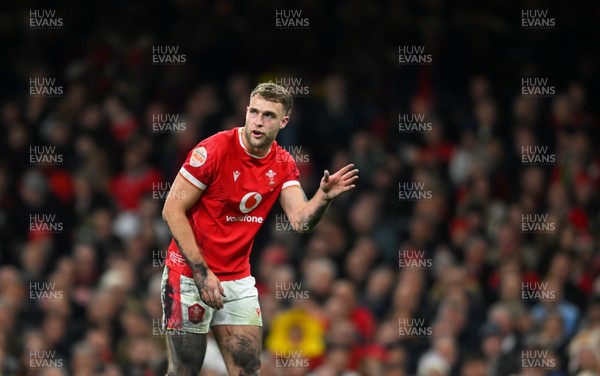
x=264, y=119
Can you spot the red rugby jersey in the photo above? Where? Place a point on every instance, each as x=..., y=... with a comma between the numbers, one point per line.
x=239, y=191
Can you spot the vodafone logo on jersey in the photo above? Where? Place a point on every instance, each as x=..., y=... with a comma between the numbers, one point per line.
x=250, y=201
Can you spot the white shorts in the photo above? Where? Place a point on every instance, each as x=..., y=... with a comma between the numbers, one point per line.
x=183, y=309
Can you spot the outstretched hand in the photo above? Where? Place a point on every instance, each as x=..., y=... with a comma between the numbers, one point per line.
x=342, y=181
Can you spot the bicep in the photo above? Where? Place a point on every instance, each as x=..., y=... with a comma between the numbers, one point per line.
x=183, y=194
x=292, y=200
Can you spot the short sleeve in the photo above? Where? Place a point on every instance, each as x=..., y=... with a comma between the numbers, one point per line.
x=293, y=175
x=200, y=166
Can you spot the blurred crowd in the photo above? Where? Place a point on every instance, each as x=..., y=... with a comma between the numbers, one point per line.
x=454, y=284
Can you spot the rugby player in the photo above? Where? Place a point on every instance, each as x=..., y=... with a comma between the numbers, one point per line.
x=217, y=203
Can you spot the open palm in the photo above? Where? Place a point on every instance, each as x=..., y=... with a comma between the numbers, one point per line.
x=340, y=182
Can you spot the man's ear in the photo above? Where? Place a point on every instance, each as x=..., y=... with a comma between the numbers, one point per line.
x=284, y=122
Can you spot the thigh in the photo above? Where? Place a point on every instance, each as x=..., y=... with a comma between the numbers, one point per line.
x=240, y=346
x=183, y=311
x=186, y=353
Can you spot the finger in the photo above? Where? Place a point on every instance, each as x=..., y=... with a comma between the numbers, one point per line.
x=326, y=176
x=350, y=174
x=210, y=299
x=221, y=290
x=348, y=183
x=345, y=169
x=351, y=180
x=205, y=299
x=217, y=299
x=214, y=297
x=348, y=187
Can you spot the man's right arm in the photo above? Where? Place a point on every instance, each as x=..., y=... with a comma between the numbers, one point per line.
x=182, y=196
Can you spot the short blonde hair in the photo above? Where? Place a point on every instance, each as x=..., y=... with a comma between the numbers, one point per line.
x=274, y=93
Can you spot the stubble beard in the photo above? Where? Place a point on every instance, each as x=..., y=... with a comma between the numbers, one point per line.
x=264, y=142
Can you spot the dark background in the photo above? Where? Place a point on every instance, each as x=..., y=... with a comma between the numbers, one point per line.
x=105, y=260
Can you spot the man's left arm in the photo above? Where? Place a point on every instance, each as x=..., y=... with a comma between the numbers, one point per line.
x=304, y=214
